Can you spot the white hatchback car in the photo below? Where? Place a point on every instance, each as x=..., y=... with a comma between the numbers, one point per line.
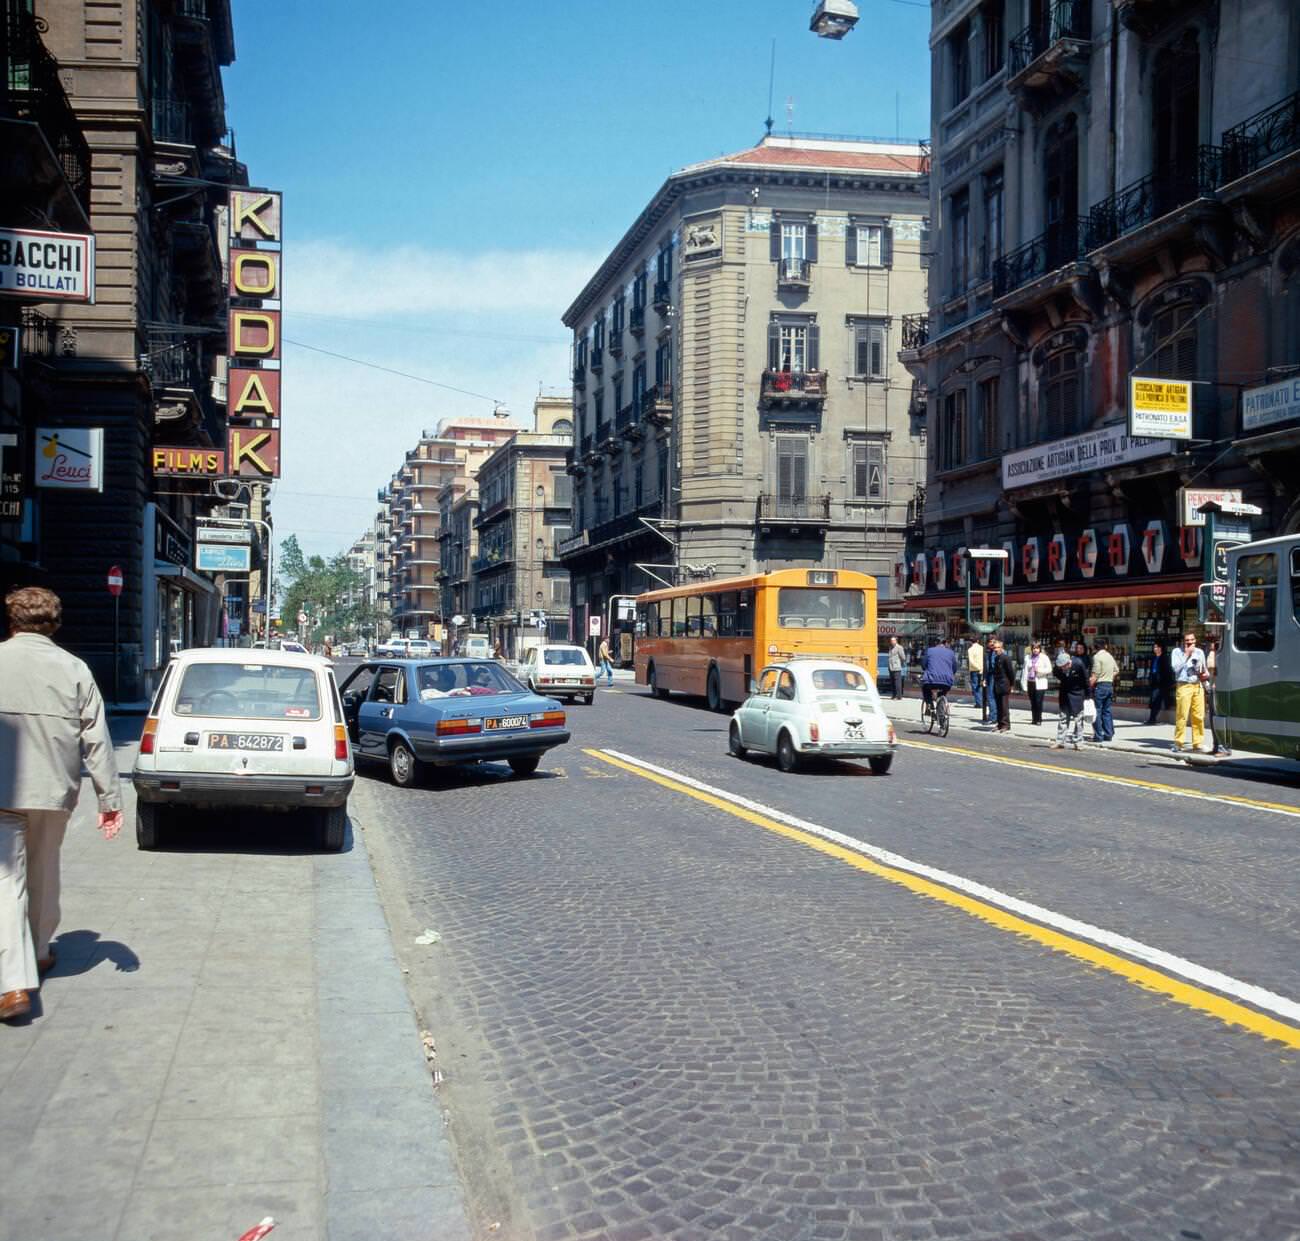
x=248, y=729
x=559, y=671
x=808, y=707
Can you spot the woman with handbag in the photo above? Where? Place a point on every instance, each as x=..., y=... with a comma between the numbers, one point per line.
x=1034, y=676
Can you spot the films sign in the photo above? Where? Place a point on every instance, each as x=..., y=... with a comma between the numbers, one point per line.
x=187, y=462
x=47, y=267
x=1101, y=449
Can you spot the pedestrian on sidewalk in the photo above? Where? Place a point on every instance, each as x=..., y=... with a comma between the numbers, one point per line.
x=1072, y=679
x=1102, y=682
x=1189, y=680
x=52, y=720
x=1160, y=681
x=897, y=663
x=975, y=668
x=606, y=661
x=1212, y=693
x=1035, y=676
x=1004, y=677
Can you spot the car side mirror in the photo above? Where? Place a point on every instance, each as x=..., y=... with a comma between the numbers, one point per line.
x=753, y=686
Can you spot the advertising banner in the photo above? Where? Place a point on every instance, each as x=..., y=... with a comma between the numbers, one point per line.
x=254, y=334
x=1190, y=500
x=187, y=462
x=1270, y=404
x=1093, y=450
x=254, y=216
x=70, y=458
x=1160, y=408
x=47, y=267
x=252, y=452
x=221, y=558
x=253, y=394
x=11, y=477
x=255, y=273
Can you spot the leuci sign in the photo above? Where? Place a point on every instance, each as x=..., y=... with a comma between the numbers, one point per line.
x=70, y=458
x=47, y=267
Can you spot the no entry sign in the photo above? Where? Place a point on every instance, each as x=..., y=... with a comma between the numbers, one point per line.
x=115, y=580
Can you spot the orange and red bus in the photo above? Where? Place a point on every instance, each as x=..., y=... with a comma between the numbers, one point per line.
x=710, y=638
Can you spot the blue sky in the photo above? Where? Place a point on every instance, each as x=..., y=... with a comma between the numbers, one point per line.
x=453, y=173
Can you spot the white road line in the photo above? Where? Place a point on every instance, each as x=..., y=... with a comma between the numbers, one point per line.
x=1201, y=975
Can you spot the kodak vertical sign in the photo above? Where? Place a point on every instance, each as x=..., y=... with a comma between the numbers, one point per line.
x=255, y=286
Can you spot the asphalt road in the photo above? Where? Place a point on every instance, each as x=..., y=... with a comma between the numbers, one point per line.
x=661, y=1013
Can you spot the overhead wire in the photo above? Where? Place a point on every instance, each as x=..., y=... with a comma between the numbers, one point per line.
x=389, y=370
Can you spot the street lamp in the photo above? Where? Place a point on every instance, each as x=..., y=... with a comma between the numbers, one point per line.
x=833, y=19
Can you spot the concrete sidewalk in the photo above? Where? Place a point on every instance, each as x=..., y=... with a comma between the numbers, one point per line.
x=226, y=1036
x=1132, y=736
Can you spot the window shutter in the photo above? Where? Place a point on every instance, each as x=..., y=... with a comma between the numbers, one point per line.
x=773, y=346
x=925, y=247
x=860, y=350
x=775, y=238
x=1185, y=356
x=800, y=475
x=860, y=471
x=784, y=472
x=887, y=247
x=813, y=362
x=810, y=240
x=851, y=245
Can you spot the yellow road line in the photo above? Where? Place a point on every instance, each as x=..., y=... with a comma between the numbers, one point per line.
x=1225, y=1010
x=1151, y=786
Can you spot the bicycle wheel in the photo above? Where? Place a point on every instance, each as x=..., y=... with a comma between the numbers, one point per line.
x=941, y=709
x=927, y=715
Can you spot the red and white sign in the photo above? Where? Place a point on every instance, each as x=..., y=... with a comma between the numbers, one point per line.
x=593, y=626
x=115, y=580
x=70, y=458
x=47, y=267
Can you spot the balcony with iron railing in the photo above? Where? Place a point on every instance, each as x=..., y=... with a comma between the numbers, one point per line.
x=615, y=343
x=793, y=387
x=663, y=295
x=622, y=525
x=1153, y=196
x=40, y=335
x=597, y=363
x=1262, y=139
x=587, y=446
x=1059, y=246
x=792, y=273
x=172, y=121
x=636, y=320
x=794, y=510
x=579, y=376
x=915, y=331
x=626, y=419
x=1050, y=52
x=31, y=92
x=657, y=404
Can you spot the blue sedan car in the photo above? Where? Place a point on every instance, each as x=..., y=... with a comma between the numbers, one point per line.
x=412, y=714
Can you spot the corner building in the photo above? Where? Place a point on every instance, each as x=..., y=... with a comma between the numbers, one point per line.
x=1116, y=192
x=738, y=402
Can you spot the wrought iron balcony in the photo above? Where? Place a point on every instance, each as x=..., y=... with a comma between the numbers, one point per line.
x=579, y=376
x=1059, y=245
x=172, y=361
x=1153, y=196
x=794, y=510
x=586, y=444
x=657, y=404
x=597, y=360
x=626, y=418
x=916, y=331
x=793, y=387
x=40, y=335
x=30, y=90
x=1061, y=33
x=663, y=295
x=793, y=274
x=616, y=342
x=172, y=121
x=1262, y=138
x=636, y=320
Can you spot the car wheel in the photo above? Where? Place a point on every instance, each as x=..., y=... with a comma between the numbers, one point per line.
x=787, y=757
x=653, y=679
x=734, y=744
x=714, y=690
x=589, y=699
x=331, y=827
x=526, y=765
x=880, y=764
x=403, y=765
x=148, y=824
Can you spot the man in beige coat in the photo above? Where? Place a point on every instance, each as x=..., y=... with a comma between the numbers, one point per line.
x=51, y=719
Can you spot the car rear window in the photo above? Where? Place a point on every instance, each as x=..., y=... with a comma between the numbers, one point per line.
x=565, y=657
x=460, y=679
x=249, y=692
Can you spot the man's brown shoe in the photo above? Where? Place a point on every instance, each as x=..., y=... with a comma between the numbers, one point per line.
x=45, y=964
x=14, y=1004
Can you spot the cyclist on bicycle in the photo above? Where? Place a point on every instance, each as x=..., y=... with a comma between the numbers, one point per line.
x=938, y=671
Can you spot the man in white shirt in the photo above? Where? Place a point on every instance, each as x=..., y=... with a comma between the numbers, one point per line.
x=1189, y=689
x=975, y=666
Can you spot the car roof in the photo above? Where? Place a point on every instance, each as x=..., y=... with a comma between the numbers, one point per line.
x=810, y=663
x=560, y=646
x=279, y=657
x=436, y=661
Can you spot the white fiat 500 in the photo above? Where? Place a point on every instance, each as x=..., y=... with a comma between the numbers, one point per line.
x=560, y=671
x=249, y=729
x=807, y=707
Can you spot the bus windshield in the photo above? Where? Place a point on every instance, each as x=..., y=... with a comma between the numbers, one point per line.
x=815, y=607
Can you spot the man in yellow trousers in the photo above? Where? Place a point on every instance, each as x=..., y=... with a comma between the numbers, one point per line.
x=1189, y=687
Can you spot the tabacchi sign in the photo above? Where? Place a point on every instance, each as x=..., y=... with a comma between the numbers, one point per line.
x=47, y=267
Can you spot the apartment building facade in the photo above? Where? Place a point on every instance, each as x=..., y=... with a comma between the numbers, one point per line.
x=738, y=401
x=525, y=499
x=130, y=101
x=1116, y=193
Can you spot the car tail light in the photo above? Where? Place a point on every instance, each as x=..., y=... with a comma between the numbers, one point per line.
x=814, y=733
x=340, y=743
x=893, y=736
x=147, y=737
x=458, y=728
x=547, y=719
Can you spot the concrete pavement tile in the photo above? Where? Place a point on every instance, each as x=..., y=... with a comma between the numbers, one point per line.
x=192, y=1152
x=371, y=1050
x=216, y=1004
x=225, y=1211
x=57, y=1215
x=240, y=1090
x=157, y=1003
x=379, y=991
x=422, y=1214
x=250, y=1038
x=224, y=969
x=103, y=1093
x=380, y=1139
x=354, y=950
x=113, y=969
x=350, y=911
x=30, y=1073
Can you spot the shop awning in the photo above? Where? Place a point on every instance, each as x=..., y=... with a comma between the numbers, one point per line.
x=185, y=578
x=1179, y=584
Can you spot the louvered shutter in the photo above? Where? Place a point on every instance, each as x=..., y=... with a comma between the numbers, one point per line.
x=800, y=475
x=810, y=240
x=784, y=472
x=861, y=350
x=775, y=238
x=851, y=245
x=887, y=247
x=813, y=362
x=860, y=471
x=773, y=346
x=925, y=247
x=1185, y=355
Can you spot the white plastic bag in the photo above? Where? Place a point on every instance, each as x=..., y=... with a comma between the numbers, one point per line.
x=1089, y=710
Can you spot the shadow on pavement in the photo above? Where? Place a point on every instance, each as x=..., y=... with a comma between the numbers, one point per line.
x=291, y=833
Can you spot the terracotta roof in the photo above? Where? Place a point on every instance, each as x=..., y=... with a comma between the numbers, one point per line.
x=802, y=157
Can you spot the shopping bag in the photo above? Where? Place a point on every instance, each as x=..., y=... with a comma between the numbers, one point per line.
x=1089, y=710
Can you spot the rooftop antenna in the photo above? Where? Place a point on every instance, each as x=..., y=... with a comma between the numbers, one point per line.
x=771, y=82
